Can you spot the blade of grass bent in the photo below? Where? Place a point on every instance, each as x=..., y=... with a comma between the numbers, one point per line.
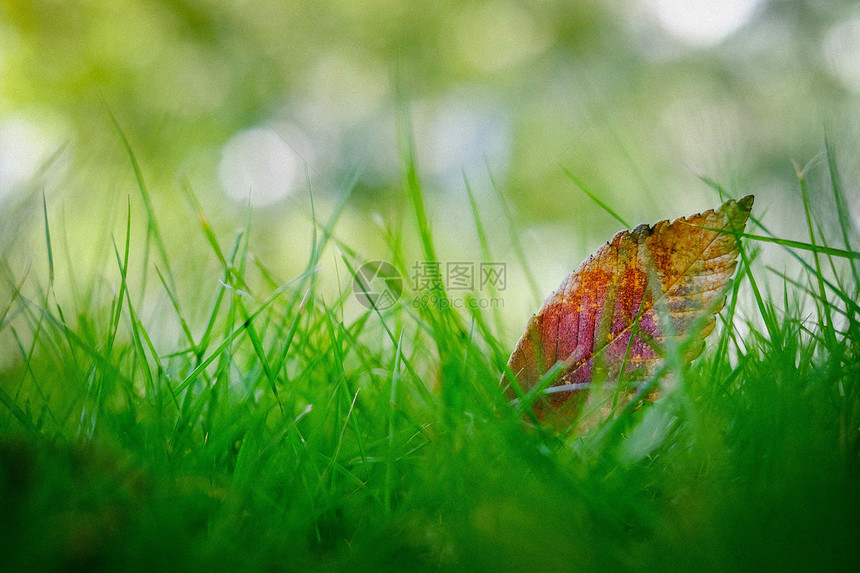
x=152, y=223
x=596, y=199
x=839, y=198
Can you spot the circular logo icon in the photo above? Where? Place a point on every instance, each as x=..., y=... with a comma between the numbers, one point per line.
x=378, y=285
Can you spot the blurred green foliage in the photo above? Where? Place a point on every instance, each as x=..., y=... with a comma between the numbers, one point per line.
x=606, y=89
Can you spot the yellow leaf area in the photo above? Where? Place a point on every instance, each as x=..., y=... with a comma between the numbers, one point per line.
x=644, y=291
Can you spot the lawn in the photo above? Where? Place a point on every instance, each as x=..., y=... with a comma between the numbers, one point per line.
x=242, y=420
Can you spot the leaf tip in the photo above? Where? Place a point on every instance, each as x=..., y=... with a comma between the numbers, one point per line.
x=746, y=203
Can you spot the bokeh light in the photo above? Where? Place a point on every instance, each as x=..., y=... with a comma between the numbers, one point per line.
x=261, y=166
x=27, y=141
x=842, y=52
x=702, y=22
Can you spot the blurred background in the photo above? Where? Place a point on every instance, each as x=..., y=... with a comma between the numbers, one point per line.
x=263, y=103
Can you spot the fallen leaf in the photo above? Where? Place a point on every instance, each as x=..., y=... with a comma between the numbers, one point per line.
x=643, y=292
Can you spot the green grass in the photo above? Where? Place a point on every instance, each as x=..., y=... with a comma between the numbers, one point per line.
x=272, y=435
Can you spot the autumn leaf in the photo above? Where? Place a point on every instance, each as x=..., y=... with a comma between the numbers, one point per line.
x=645, y=291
